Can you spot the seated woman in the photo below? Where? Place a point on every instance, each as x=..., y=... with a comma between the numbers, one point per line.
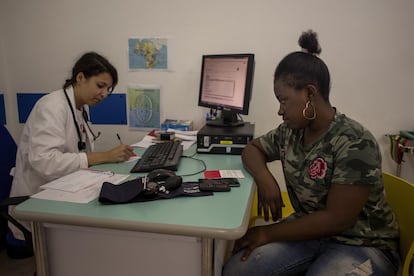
x=342, y=223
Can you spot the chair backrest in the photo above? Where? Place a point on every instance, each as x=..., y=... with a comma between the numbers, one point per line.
x=8, y=149
x=400, y=195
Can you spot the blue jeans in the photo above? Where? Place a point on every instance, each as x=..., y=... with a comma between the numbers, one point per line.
x=313, y=258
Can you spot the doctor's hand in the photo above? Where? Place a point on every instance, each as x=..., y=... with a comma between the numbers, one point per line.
x=120, y=153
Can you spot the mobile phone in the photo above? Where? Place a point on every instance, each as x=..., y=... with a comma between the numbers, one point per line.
x=232, y=182
x=213, y=185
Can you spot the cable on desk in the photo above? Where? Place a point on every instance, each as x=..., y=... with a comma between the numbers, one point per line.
x=199, y=160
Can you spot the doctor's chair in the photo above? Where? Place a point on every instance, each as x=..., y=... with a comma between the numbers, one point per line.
x=16, y=249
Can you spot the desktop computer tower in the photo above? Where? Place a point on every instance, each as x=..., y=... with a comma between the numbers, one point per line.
x=224, y=140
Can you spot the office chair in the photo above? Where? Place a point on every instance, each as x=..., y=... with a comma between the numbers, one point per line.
x=16, y=249
x=400, y=194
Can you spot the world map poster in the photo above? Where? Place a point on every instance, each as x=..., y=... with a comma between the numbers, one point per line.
x=148, y=53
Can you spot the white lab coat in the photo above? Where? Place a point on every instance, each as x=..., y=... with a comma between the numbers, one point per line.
x=48, y=148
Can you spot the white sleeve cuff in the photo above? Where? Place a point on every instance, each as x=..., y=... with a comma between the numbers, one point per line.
x=83, y=160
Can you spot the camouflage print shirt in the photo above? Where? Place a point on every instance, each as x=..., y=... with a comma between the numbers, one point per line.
x=346, y=154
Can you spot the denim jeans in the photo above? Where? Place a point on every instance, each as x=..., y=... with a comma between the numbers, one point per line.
x=313, y=258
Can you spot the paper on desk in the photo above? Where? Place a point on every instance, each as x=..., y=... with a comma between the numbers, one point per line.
x=187, y=144
x=82, y=196
x=132, y=159
x=78, y=180
x=148, y=140
x=145, y=142
x=186, y=133
x=223, y=174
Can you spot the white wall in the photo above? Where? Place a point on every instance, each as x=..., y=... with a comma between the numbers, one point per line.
x=368, y=46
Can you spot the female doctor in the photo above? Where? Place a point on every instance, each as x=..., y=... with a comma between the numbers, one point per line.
x=57, y=138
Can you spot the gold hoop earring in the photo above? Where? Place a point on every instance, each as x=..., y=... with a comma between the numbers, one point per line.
x=309, y=105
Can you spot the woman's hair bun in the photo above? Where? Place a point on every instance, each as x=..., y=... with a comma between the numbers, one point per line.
x=308, y=41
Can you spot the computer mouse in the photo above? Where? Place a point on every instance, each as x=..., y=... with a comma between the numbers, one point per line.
x=160, y=175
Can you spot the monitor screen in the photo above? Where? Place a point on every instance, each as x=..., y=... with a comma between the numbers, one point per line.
x=226, y=84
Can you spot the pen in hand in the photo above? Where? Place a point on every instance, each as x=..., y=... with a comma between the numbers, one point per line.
x=120, y=141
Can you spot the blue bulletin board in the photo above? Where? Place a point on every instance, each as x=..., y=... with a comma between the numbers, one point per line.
x=25, y=103
x=111, y=111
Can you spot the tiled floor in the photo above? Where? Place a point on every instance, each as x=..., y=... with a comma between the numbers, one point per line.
x=11, y=267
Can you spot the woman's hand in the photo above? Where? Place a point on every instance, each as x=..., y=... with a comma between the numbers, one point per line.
x=255, y=160
x=254, y=237
x=270, y=200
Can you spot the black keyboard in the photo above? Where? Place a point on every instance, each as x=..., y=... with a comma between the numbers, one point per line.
x=164, y=155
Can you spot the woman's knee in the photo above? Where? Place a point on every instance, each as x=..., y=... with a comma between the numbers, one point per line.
x=270, y=259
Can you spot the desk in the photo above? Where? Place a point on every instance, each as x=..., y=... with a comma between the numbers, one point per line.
x=155, y=237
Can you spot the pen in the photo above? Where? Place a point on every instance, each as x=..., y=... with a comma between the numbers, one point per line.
x=119, y=138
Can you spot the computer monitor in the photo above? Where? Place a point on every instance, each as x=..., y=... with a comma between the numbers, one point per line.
x=226, y=84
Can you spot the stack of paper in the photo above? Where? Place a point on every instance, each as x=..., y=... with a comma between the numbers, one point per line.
x=190, y=135
x=187, y=138
x=81, y=186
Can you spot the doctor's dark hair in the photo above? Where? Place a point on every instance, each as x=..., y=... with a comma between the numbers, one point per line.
x=92, y=64
x=302, y=68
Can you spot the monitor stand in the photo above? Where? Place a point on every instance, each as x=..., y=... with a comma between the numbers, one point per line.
x=228, y=119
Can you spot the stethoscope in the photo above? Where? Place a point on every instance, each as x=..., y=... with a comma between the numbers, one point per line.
x=81, y=144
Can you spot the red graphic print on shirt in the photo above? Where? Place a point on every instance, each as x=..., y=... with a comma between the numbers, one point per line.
x=317, y=170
